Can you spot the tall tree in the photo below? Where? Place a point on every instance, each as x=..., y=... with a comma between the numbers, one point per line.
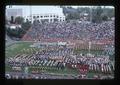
x=73, y=16
x=104, y=17
x=19, y=20
x=96, y=15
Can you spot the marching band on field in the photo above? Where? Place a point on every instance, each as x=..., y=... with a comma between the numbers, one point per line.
x=61, y=59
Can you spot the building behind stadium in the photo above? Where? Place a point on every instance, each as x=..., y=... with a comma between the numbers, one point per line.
x=41, y=13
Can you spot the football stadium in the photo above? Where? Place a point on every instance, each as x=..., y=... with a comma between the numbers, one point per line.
x=61, y=45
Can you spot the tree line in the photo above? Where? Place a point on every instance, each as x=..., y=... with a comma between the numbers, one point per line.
x=97, y=13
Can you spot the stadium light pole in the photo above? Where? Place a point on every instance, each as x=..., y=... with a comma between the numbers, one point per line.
x=31, y=13
x=89, y=47
x=10, y=6
x=91, y=14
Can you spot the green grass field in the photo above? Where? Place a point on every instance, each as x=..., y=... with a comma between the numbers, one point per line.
x=96, y=52
x=24, y=48
x=19, y=48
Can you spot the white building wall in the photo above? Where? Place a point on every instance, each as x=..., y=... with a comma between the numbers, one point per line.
x=48, y=17
x=40, y=10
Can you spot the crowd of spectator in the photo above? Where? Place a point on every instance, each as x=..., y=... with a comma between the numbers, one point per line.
x=72, y=30
x=63, y=58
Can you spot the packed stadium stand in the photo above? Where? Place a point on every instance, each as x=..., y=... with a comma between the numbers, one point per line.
x=71, y=30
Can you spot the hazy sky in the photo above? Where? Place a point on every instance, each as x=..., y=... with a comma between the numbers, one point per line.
x=42, y=8
x=38, y=9
x=52, y=5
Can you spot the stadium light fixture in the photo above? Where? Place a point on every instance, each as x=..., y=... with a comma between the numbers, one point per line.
x=89, y=47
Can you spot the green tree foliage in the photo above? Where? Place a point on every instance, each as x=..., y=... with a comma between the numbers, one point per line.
x=104, y=17
x=19, y=20
x=19, y=32
x=110, y=12
x=85, y=9
x=26, y=25
x=96, y=15
x=73, y=16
